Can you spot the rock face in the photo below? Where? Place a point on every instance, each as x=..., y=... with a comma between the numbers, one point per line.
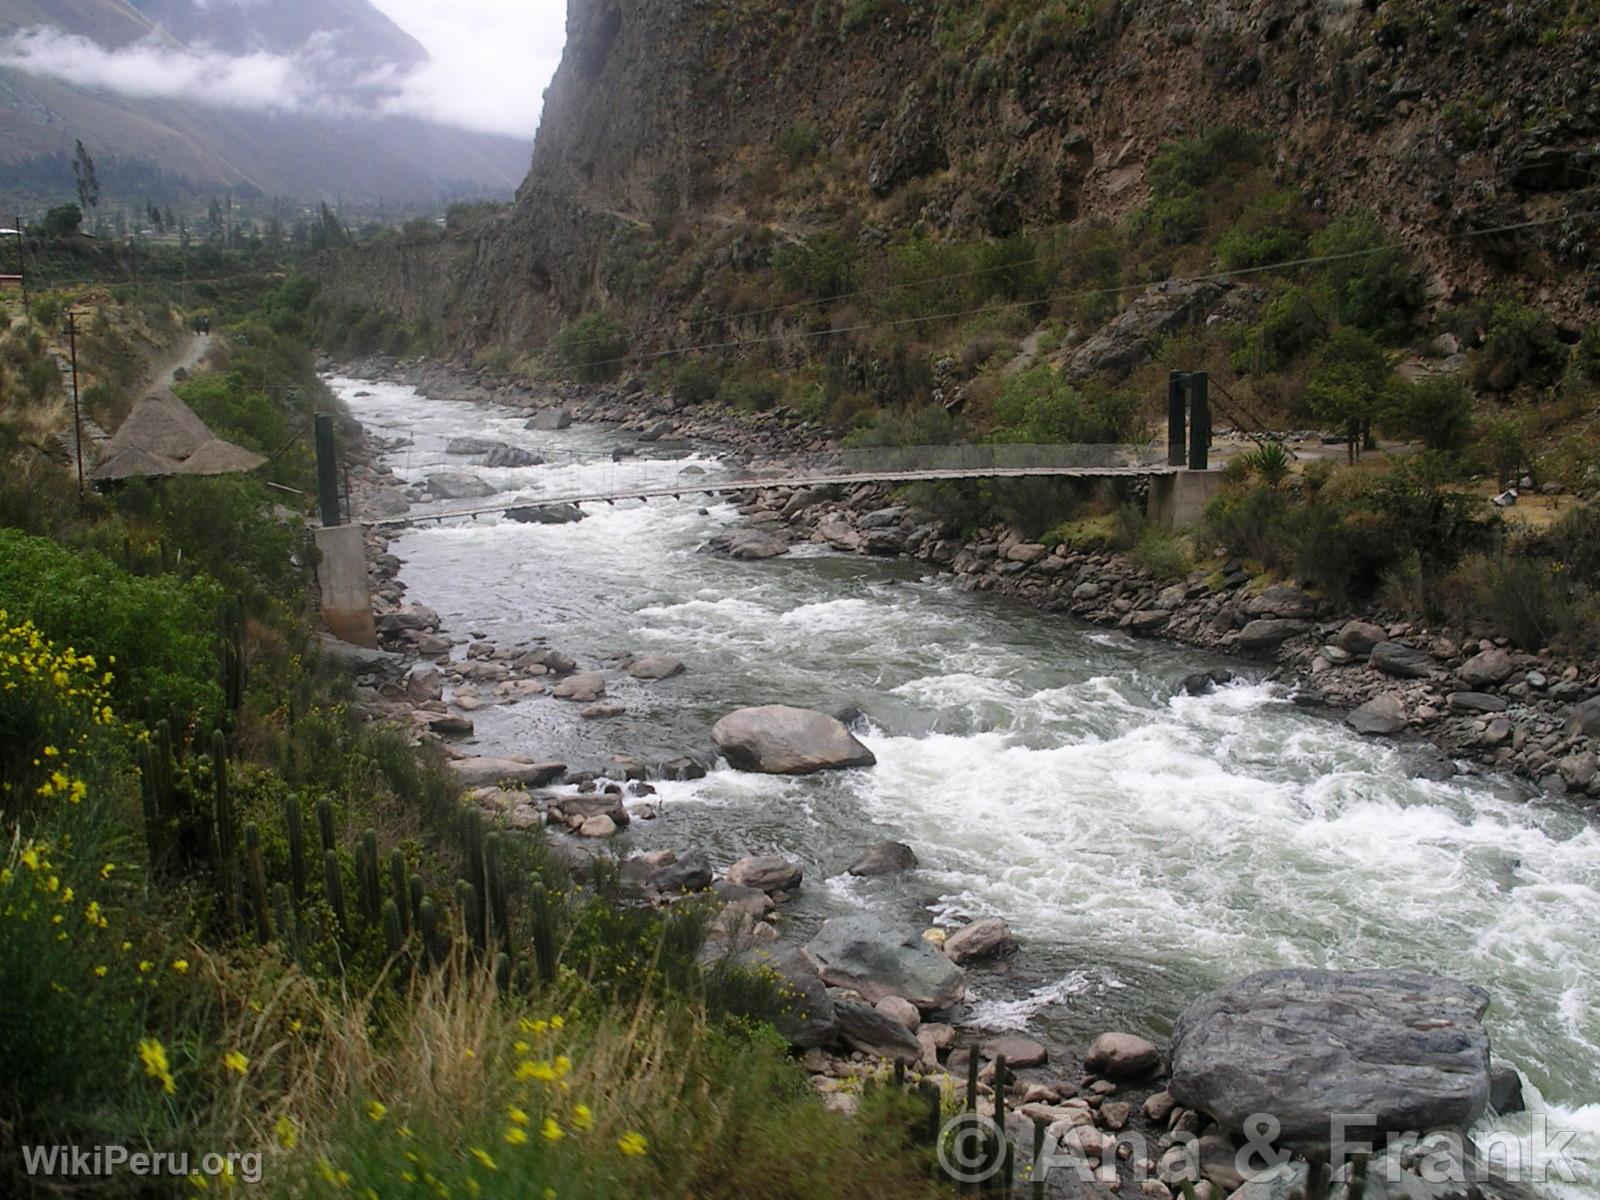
x=1407, y=1048
x=863, y=953
x=778, y=739
x=1381, y=716
x=885, y=859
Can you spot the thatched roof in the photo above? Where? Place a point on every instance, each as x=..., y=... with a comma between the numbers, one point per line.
x=218, y=457
x=163, y=436
x=161, y=424
x=130, y=462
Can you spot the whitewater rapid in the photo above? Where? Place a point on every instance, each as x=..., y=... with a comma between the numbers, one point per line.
x=1143, y=846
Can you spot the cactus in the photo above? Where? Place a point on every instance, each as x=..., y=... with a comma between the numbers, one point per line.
x=544, y=931
x=368, y=880
x=399, y=890
x=1002, y=1151
x=472, y=824
x=282, y=916
x=225, y=850
x=417, y=897
x=325, y=824
x=256, y=883
x=393, y=936
x=499, y=908
x=297, y=846
x=502, y=971
x=230, y=643
x=428, y=931
x=471, y=913
x=333, y=885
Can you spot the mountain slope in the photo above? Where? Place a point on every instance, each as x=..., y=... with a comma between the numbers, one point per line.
x=304, y=155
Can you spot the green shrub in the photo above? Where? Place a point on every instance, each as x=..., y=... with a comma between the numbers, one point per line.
x=798, y=144
x=591, y=347
x=1289, y=327
x=857, y=15
x=39, y=377
x=47, y=311
x=1349, y=375
x=1039, y=405
x=1521, y=348
x=696, y=381
x=1271, y=462
x=160, y=631
x=823, y=268
x=1515, y=596
x=1370, y=282
x=1436, y=410
x=1166, y=557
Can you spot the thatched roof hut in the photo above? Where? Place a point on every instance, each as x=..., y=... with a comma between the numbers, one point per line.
x=218, y=457
x=163, y=436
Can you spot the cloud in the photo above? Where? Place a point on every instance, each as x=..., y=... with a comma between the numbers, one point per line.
x=489, y=63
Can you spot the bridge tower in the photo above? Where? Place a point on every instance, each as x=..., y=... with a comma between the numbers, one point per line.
x=1179, y=499
x=346, y=596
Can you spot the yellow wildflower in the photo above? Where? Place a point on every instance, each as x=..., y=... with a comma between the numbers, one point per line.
x=235, y=1062
x=516, y=1135
x=287, y=1133
x=632, y=1144
x=516, y=1115
x=582, y=1118
x=551, y=1131
x=377, y=1110
x=483, y=1157
x=181, y=965
x=154, y=1056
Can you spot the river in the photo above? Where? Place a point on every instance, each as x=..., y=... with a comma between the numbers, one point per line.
x=1143, y=846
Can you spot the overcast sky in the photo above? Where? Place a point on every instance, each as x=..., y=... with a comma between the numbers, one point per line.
x=491, y=58
x=490, y=63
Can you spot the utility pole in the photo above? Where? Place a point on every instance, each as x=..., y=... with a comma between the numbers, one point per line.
x=22, y=266
x=77, y=417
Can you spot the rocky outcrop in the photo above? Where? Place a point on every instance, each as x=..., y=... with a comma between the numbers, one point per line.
x=777, y=739
x=1304, y=1045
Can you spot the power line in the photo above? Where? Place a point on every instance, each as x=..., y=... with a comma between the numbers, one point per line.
x=1085, y=293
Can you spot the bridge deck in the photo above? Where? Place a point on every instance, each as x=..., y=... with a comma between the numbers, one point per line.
x=716, y=488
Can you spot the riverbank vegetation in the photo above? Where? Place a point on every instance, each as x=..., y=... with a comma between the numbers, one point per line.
x=234, y=917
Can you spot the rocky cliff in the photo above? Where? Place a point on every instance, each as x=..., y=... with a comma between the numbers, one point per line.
x=685, y=142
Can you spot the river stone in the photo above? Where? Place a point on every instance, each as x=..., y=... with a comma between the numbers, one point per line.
x=549, y=419
x=483, y=771
x=655, y=666
x=1584, y=721
x=424, y=683
x=885, y=858
x=753, y=543
x=688, y=872
x=809, y=1018
x=1303, y=1044
x=768, y=872
x=1381, y=716
x=1203, y=683
x=1505, y=1089
x=863, y=953
x=505, y=455
x=546, y=514
x=598, y=826
x=901, y=1010
x=778, y=739
x=1121, y=1056
x=1359, y=637
x=866, y=1029
x=458, y=485
x=987, y=937
x=1264, y=633
x=1397, y=658
x=1486, y=668
x=585, y=687
x=1282, y=600
x=1018, y=1051
x=1148, y=620
x=1476, y=702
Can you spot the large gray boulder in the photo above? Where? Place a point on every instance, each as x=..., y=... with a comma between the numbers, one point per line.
x=885, y=858
x=809, y=1018
x=864, y=1027
x=485, y=771
x=1264, y=633
x=1486, y=668
x=863, y=953
x=1359, y=637
x=1382, y=716
x=1405, y=1048
x=549, y=419
x=1584, y=720
x=766, y=872
x=778, y=739
x=1397, y=658
x=458, y=485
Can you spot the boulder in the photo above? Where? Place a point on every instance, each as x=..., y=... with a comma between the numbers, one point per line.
x=987, y=937
x=1359, y=637
x=1018, y=1051
x=866, y=1029
x=1407, y=1048
x=687, y=872
x=484, y=771
x=1476, y=702
x=885, y=858
x=458, y=485
x=655, y=666
x=1121, y=1056
x=753, y=543
x=809, y=1018
x=1584, y=719
x=1203, y=683
x=766, y=872
x=863, y=953
x=504, y=455
x=901, y=1010
x=1397, y=658
x=424, y=683
x=546, y=514
x=1282, y=600
x=1486, y=669
x=1505, y=1089
x=585, y=687
x=1380, y=717
x=1265, y=633
x=778, y=739
x=549, y=419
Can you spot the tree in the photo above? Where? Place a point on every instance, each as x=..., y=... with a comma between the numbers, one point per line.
x=1436, y=410
x=1349, y=376
x=83, y=175
x=1368, y=279
x=61, y=221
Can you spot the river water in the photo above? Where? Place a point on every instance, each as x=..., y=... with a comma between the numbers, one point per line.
x=1143, y=846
